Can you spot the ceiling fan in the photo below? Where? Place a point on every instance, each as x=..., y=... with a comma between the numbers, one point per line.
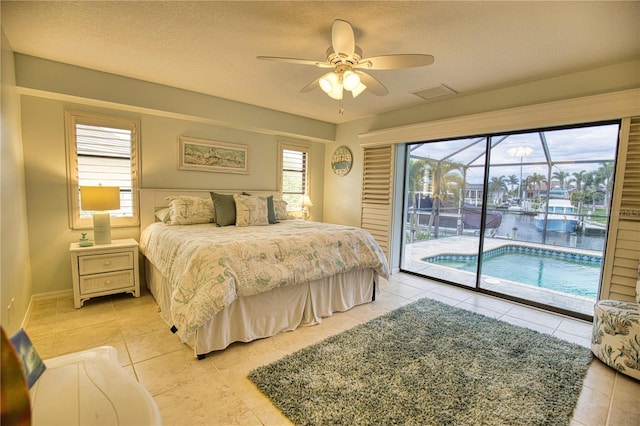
x=345, y=57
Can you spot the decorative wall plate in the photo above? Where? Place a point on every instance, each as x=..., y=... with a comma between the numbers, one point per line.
x=341, y=161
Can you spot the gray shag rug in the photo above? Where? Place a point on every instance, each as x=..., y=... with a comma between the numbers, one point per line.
x=428, y=363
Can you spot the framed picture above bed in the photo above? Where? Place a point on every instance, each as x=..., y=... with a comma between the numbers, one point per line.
x=212, y=156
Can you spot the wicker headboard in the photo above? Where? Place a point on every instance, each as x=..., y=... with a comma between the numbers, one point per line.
x=151, y=200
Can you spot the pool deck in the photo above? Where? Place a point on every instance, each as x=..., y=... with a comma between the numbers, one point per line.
x=468, y=245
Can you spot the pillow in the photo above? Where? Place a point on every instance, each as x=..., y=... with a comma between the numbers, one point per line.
x=164, y=215
x=270, y=208
x=280, y=207
x=225, y=209
x=250, y=210
x=188, y=210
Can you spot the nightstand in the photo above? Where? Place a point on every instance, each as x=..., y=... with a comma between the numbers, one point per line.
x=104, y=269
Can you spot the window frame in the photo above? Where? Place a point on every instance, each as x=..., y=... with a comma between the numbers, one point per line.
x=292, y=146
x=72, y=118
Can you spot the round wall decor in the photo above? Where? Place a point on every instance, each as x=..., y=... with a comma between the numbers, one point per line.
x=341, y=161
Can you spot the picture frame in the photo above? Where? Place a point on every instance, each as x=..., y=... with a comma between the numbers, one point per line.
x=212, y=156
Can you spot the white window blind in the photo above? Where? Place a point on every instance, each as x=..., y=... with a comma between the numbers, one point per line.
x=102, y=151
x=295, y=176
x=104, y=158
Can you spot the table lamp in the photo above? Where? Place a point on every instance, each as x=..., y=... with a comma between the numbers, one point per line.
x=99, y=199
x=306, y=203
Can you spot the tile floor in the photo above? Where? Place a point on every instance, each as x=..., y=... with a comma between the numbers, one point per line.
x=215, y=391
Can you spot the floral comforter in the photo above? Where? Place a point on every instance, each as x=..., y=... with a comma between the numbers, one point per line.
x=208, y=267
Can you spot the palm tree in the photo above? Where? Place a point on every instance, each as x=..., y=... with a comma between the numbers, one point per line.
x=535, y=181
x=579, y=178
x=497, y=185
x=605, y=176
x=513, y=181
x=561, y=177
x=417, y=169
x=446, y=176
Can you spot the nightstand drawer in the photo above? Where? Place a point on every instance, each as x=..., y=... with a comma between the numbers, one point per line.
x=109, y=281
x=93, y=264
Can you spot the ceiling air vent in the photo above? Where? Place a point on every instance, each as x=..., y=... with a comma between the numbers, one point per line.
x=434, y=92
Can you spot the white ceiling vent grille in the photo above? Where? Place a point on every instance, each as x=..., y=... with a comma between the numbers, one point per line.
x=435, y=92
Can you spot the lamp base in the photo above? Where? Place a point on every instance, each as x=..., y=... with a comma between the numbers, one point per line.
x=102, y=228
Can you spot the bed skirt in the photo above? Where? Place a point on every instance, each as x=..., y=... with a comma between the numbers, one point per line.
x=267, y=314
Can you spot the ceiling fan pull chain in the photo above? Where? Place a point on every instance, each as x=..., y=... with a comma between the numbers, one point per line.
x=341, y=110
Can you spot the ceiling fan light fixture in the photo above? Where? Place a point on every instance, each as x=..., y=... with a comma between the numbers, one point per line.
x=358, y=89
x=336, y=93
x=327, y=82
x=350, y=80
x=331, y=85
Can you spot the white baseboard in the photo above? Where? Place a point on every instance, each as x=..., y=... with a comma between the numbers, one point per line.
x=52, y=295
x=42, y=296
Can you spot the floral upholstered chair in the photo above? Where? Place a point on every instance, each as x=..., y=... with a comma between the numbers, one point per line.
x=616, y=334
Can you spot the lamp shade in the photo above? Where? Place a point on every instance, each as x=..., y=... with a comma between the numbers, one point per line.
x=358, y=89
x=99, y=198
x=306, y=201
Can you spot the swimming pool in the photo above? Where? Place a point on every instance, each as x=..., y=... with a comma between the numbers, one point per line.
x=551, y=269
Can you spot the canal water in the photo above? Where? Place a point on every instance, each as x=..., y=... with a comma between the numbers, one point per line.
x=526, y=231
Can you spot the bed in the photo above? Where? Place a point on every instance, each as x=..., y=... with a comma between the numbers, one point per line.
x=262, y=275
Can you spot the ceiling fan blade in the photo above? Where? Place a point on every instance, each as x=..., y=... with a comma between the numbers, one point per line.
x=313, y=85
x=342, y=39
x=373, y=85
x=319, y=64
x=390, y=62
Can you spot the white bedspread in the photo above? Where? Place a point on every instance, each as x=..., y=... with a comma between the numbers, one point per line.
x=209, y=267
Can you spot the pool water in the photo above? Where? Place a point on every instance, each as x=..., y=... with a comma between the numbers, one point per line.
x=539, y=270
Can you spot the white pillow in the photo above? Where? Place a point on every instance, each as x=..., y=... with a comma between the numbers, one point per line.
x=280, y=207
x=188, y=210
x=251, y=210
x=164, y=215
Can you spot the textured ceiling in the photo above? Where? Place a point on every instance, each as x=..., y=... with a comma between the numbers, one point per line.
x=211, y=46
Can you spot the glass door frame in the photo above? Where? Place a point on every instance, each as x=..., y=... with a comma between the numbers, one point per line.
x=485, y=196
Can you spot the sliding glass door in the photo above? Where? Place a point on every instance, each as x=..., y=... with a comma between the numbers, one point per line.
x=523, y=215
x=443, y=208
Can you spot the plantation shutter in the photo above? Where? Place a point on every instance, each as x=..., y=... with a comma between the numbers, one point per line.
x=377, y=184
x=104, y=158
x=623, y=248
x=294, y=177
x=102, y=150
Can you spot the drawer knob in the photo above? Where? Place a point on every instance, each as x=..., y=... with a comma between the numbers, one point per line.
x=107, y=263
x=107, y=282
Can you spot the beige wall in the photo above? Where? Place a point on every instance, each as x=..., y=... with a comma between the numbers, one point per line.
x=15, y=268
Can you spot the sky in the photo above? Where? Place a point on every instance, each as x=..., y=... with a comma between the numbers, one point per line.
x=568, y=150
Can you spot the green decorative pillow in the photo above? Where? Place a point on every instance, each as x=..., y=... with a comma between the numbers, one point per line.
x=188, y=210
x=271, y=210
x=250, y=210
x=225, y=208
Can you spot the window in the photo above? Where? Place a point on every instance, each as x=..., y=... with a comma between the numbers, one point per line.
x=102, y=151
x=294, y=180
